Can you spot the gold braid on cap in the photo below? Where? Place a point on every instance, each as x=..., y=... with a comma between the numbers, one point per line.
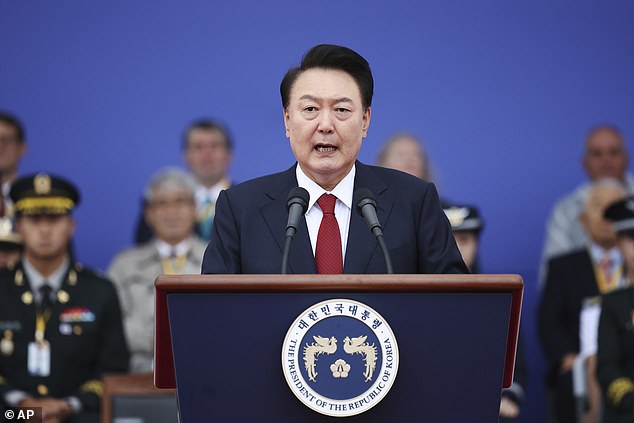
x=618, y=389
x=34, y=204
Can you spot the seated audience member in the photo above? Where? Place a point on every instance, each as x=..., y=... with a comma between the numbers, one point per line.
x=467, y=225
x=10, y=243
x=405, y=153
x=572, y=278
x=12, y=148
x=207, y=152
x=605, y=156
x=61, y=322
x=175, y=249
x=615, y=357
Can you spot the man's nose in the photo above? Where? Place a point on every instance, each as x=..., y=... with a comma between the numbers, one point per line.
x=325, y=123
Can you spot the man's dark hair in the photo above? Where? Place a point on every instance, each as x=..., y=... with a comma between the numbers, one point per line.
x=208, y=125
x=328, y=56
x=14, y=122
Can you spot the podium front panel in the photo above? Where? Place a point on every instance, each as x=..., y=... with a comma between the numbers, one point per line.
x=227, y=352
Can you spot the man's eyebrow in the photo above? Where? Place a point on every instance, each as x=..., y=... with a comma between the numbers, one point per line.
x=334, y=101
x=342, y=100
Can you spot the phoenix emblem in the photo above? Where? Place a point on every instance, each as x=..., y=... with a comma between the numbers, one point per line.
x=320, y=346
x=359, y=346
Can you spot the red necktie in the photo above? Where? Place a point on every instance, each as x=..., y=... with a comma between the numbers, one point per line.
x=328, y=258
x=1, y=205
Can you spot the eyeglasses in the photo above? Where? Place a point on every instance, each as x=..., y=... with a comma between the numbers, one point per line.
x=176, y=202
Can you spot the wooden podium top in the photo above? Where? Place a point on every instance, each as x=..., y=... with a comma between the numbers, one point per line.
x=164, y=376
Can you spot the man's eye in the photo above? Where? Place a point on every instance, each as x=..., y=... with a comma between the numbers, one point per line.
x=341, y=109
x=310, y=109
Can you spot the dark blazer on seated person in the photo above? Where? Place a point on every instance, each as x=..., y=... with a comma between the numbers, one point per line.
x=250, y=225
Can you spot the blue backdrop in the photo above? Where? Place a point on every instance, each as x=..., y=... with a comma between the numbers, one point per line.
x=502, y=93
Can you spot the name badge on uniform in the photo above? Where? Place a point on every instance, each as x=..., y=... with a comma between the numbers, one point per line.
x=39, y=360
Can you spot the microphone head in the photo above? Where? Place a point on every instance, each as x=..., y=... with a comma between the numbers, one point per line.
x=363, y=197
x=298, y=195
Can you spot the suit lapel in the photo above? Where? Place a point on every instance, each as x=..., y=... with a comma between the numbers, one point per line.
x=301, y=259
x=362, y=246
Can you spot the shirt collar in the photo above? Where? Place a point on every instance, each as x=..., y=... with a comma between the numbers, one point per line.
x=597, y=253
x=343, y=190
x=6, y=188
x=165, y=250
x=203, y=193
x=36, y=279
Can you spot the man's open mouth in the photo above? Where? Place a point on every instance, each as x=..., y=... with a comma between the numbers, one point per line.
x=325, y=148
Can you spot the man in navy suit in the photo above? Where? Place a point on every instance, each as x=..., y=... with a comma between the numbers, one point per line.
x=326, y=105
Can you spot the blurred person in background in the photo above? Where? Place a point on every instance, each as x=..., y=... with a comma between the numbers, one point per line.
x=12, y=149
x=207, y=152
x=170, y=211
x=604, y=156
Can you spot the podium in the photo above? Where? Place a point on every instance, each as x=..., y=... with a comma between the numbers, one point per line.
x=219, y=341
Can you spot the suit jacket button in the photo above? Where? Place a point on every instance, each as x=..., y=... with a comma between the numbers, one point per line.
x=42, y=390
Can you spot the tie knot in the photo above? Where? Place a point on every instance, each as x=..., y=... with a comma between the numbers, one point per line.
x=327, y=203
x=45, y=292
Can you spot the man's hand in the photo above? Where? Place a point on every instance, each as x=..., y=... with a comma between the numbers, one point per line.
x=567, y=362
x=53, y=410
x=508, y=408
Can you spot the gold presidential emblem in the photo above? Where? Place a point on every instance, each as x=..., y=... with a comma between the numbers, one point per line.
x=340, y=357
x=42, y=184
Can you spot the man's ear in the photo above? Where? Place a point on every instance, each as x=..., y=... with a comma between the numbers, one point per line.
x=583, y=219
x=286, y=123
x=366, y=122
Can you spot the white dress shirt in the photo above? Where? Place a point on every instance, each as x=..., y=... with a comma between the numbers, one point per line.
x=343, y=206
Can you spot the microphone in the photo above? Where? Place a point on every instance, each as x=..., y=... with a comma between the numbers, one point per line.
x=296, y=205
x=366, y=206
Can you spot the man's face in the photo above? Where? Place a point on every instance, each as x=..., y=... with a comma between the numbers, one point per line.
x=207, y=155
x=600, y=229
x=46, y=237
x=605, y=156
x=11, y=149
x=326, y=123
x=468, y=245
x=626, y=245
x=172, y=215
x=9, y=257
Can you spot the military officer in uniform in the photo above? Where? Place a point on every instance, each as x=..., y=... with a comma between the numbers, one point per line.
x=60, y=323
x=616, y=326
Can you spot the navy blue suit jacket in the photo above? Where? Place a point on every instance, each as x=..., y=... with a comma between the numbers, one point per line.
x=250, y=226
